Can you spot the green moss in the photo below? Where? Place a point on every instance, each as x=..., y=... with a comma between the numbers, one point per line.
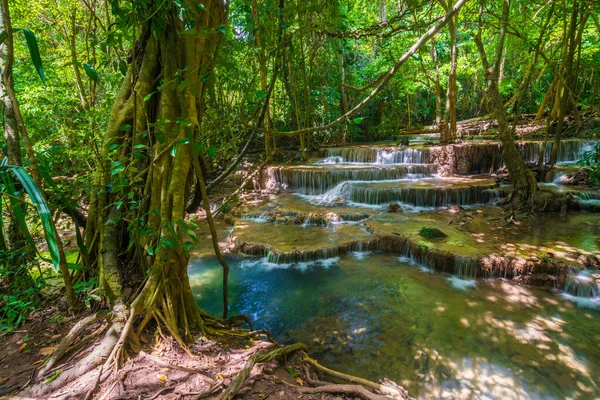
x=432, y=233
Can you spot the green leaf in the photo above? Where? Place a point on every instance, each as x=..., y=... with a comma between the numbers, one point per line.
x=260, y=94
x=91, y=72
x=34, y=52
x=197, y=147
x=148, y=96
x=32, y=45
x=77, y=267
x=45, y=216
x=174, y=150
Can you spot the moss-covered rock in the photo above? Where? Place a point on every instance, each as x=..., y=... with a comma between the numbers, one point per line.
x=432, y=233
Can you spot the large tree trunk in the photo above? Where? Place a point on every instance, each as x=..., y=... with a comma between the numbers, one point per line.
x=147, y=159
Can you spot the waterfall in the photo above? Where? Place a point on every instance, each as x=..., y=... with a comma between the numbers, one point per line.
x=318, y=180
x=465, y=267
x=403, y=156
x=584, y=284
x=301, y=256
x=377, y=156
x=569, y=151
x=559, y=178
x=421, y=197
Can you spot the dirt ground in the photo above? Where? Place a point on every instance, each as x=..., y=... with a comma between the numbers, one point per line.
x=162, y=370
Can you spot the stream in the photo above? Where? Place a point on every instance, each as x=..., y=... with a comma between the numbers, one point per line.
x=374, y=315
x=413, y=309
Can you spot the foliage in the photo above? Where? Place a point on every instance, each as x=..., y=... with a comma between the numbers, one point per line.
x=8, y=189
x=16, y=304
x=591, y=159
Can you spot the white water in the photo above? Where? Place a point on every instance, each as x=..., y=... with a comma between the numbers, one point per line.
x=265, y=264
x=462, y=284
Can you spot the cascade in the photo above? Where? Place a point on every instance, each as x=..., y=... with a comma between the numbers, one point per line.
x=318, y=179
x=422, y=196
x=569, y=150
x=465, y=268
x=584, y=284
x=559, y=178
x=375, y=155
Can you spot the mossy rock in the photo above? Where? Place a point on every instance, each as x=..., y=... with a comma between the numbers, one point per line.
x=432, y=233
x=394, y=207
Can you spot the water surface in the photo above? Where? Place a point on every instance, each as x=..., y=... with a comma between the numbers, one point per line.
x=372, y=315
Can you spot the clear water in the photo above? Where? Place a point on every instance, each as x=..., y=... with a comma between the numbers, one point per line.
x=374, y=315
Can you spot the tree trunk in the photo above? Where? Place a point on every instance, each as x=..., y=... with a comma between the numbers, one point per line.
x=448, y=132
x=568, y=69
x=262, y=67
x=16, y=242
x=523, y=180
x=17, y=119
x=75, y=63
x=540, y=113
x=438, y=87
x=145, y=243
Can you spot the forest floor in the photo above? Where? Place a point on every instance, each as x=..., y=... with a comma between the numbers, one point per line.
x=161, y=370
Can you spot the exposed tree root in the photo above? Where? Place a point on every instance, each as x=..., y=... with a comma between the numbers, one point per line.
x=352, y=390
x=162, y=363
x=240, y=380
x=395, y=392
x=70, y=338
x=100, y=353
x=328, y=387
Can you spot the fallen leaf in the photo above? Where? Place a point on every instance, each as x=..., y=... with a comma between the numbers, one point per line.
x=38, y=362
x=54, y=337
x=162, y=378
x=23, y=346
x=2, y=380
x=220, y=377
x=46, y=351
x=300, y=381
